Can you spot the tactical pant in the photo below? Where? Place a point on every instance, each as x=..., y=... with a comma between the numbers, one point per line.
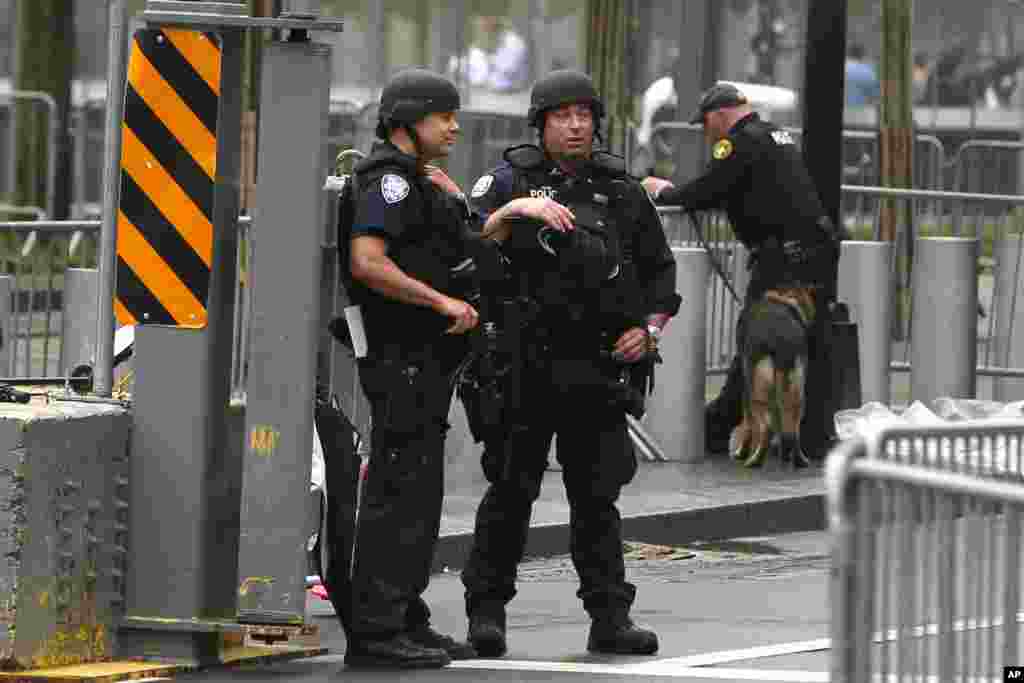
x=597, y=459
x=400, y=512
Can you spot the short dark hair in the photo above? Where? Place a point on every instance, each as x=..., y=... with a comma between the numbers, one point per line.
x=856, y=51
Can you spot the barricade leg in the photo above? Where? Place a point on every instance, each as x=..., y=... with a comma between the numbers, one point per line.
x=865, y=285
x=6, y=326
x=944, y=323
x=285, y=328
x=79, y=319
x=1009, y=315
x=675, y=413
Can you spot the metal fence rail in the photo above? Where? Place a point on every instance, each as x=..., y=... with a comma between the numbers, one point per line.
x=995, y=220
x=861, y=155
x=926, y=552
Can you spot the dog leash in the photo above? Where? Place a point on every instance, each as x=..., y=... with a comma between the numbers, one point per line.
x=714, y=260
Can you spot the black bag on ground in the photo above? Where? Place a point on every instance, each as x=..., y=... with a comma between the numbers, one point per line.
x=833, y=378
x=333, y=556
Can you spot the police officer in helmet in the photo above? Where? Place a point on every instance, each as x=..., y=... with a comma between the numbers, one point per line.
x=594, y=282
x=757, y=175
x=408, y=233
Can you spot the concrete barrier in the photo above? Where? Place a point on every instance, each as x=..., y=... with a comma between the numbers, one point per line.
x=675, y=412
x=1009, y=316
x=79, y=319
x=63, y=527
x=865, y=285
x=944, y=322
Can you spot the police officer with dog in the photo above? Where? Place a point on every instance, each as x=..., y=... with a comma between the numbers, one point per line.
x=757, y=175
x=407, y=235
x=588, y=284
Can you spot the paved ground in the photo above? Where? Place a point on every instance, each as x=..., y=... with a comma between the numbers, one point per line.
x=666, y=503
x=744, y=610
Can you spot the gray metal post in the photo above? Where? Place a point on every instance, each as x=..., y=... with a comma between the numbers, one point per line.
x=6, y=326
x=865, y=285
x=117, y=76
x=1009, y=315
x=285, y=325
x=675, y=414
x=944, y=323
x=182, y=583
x=78, y=323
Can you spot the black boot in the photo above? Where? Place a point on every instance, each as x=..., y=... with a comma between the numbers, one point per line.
x=399, y=652
x=613, y=632
x=428, y=637
x=487, y=631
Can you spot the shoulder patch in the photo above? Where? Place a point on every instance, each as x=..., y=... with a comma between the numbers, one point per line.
x=482, y=185
x=722, y=149
x=394, y=188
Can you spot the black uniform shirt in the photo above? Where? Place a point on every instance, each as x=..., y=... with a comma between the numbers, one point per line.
x=757, y=175
x=425, y=234
x=654, y=264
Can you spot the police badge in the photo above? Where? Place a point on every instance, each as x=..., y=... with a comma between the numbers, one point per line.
x=394, y=188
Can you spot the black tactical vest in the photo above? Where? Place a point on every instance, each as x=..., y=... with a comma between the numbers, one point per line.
x=586, y=277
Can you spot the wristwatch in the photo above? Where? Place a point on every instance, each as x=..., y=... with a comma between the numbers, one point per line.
x=653, y=334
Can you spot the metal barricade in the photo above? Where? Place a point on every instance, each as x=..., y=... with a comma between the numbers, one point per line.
x=993, y=220
x=722, y=309
x=37, y=266
x=988, y=166
x=861, y=154
x=926, y=527
x=52, y=135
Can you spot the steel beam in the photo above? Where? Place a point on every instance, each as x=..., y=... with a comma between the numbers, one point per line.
x=287, y=234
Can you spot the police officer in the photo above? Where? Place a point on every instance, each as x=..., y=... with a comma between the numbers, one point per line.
x=757, y=175
x=408, y=233
x=595, y=280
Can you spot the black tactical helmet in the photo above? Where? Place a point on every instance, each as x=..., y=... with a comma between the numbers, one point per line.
x=412, y=94
x=559, y=88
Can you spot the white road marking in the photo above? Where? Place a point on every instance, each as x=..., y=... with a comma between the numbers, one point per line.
x=727, y=656
x=671, y=671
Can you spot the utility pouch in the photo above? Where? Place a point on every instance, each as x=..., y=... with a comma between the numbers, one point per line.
x=408, y=391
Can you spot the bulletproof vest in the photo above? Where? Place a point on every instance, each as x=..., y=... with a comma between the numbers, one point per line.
x=588, y=272
x=430, y=245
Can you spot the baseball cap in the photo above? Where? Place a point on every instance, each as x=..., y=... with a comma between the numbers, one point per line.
x=718, y=96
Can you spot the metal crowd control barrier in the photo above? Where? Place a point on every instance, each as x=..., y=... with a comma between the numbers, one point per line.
x=53, y=139
x=861, y=153
x=993, y=221
x=722, y=310
x=987, y=166
x=926, y=527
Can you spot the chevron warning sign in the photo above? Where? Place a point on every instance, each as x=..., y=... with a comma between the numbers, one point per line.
x=168, y=167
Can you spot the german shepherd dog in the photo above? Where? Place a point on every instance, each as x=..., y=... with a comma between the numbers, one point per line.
x=773, y=348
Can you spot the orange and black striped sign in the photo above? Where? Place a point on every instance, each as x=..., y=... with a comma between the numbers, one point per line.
x=168, y=169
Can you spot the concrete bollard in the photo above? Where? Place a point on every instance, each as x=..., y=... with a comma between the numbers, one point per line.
x=79, y=320
x=865, y=285
x=6, y=326
x=944, y=324
x=1009, y=314
x=675, y=413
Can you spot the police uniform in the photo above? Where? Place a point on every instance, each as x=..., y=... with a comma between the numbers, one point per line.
x=407, y=378
x=757, y=175
x=579, y=298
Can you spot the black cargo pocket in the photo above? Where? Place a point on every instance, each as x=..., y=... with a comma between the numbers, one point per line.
x=404, y=395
